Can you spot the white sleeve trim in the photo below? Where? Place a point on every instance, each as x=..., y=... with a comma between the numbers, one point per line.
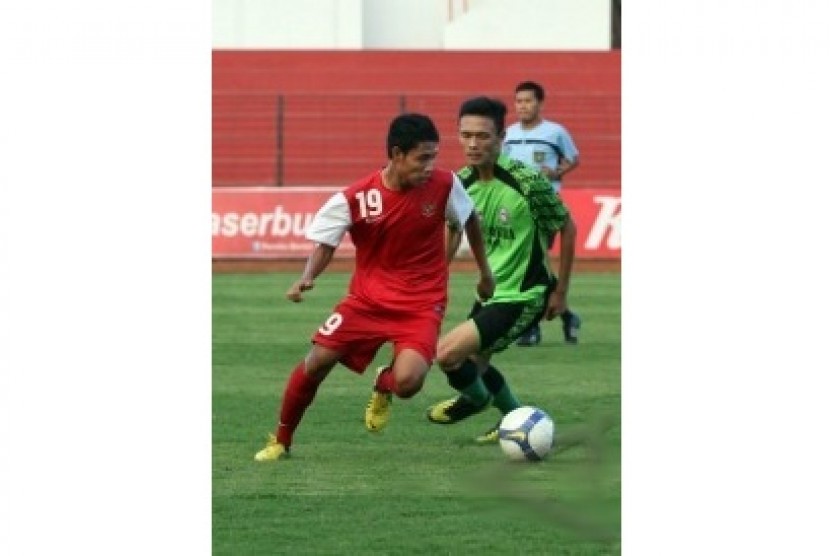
x=459, y=204
x=331, y=222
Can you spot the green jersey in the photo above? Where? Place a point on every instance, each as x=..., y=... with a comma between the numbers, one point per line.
x=519, y=212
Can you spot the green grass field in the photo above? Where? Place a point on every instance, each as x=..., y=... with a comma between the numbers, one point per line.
x=415, y=488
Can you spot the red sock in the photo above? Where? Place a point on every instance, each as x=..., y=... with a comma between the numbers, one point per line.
x=385, y=381
x=298, y=395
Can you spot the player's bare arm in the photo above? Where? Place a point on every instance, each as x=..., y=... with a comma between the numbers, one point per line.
x=452, y=239
x=558, y=300
x=486, y=283
x=317, y=262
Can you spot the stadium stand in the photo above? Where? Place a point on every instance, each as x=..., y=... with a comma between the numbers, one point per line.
x=314, y=117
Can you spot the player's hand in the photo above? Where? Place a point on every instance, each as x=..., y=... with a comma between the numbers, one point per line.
x=295, y=292
x=557, y=304
x=486, y=286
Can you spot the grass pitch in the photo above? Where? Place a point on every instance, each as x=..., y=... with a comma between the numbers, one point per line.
x=415, y=488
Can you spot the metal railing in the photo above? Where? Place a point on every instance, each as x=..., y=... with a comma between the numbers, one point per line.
x=325, y=139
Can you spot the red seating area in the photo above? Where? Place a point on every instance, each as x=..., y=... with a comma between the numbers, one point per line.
x=336, y=106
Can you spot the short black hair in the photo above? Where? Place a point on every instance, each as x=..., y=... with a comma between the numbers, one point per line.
x=408, y=130
x=537, y=89
x=488, y=107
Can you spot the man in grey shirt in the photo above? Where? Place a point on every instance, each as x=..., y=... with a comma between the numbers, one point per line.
x=548, y=147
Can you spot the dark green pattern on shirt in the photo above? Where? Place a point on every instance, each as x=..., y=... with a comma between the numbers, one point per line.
x=545, y=205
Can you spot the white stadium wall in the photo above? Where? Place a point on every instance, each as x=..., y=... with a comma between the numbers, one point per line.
x=404, y=24
x=284, y=24
x=531, y=25
x=413, y=24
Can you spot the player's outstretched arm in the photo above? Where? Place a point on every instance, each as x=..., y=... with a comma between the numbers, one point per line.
x=558, y=300
x=486, y=283
x=317, y=262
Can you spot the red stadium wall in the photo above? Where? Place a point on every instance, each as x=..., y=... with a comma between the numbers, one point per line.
x=336, y=106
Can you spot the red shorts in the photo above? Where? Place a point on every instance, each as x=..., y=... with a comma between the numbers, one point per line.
x=357, y=331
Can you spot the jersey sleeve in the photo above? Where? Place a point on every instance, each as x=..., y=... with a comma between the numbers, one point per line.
x=566, y=143
x=545, y=205
x=505, y=145
x=331, y=222
x=459, y=204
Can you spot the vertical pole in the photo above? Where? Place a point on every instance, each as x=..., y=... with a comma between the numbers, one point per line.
x=616, y=24
x=280, y=121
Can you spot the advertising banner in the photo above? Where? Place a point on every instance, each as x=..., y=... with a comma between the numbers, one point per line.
x=270, y=222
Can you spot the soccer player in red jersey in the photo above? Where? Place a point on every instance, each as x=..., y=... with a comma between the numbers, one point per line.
x=396, y=217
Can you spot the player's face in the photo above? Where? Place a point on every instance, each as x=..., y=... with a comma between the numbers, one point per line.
x=415, y=167
x=527, y=107
x=479, y=140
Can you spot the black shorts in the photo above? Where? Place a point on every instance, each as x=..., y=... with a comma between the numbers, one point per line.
x=501, y=324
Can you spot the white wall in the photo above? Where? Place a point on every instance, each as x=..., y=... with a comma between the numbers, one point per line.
x=531, y=25
x=413, y=24
x=288, y=24
x=404, y=24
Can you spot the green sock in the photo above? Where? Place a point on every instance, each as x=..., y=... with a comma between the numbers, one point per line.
x=503, y=398
x=466, y=380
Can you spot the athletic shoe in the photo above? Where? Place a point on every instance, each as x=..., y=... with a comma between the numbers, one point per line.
x=489, y=437
x=532, y=337
x=570, y=327
x=455, y=409
x=273, y=450
x=378, y=409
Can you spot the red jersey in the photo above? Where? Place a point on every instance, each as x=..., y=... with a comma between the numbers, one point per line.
x=398, y=236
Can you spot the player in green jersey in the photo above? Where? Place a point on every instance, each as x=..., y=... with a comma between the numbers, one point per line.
x=519, y=212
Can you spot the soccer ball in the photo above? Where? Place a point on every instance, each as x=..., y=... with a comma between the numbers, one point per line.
x=526, y=433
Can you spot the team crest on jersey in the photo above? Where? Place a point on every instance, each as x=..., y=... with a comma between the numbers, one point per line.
x=504, y=216
x=428, y=209
x=538, y=157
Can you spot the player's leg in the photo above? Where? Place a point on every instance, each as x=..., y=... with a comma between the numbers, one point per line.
x=403, y=378
x=491, y=328
x=502, y=327
x=343, y=337
x=532, y=337
x=458, y=357
x=503, y=399
x=299, y=392
x=379, y=408
x=570, y=320
x=570, y=326
x=455, y=357
x=415, y=337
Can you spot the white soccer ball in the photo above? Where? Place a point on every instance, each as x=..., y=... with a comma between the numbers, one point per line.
x=526, y=433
